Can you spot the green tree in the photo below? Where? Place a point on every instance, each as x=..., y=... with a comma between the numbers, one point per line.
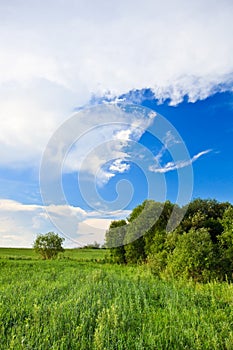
x=140, y=220
x=199, y=246
x=48, y=245
x=205, y=213
x=226, y=244
x=114, y=239
x=193, y=256
x=155, y=236
x=163, y=246
x=134, y=251
x=137, y=211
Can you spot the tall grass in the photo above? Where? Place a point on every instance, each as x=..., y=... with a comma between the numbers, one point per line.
x=74, y=305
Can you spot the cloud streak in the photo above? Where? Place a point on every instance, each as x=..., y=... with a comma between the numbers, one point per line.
x=171, y=166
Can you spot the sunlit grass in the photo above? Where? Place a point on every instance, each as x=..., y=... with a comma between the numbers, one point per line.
x=66, y=304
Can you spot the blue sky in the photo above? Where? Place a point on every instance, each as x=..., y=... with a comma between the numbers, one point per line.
x=171, y=62
x=207, y=124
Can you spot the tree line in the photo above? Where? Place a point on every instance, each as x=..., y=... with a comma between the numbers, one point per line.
x=199, y=247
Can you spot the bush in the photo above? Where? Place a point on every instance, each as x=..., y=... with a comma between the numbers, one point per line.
x=193, y=256
x=48, y=245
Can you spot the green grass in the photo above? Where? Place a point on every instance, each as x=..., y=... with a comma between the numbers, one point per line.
x=85, y=254
x=17, y=253
x=68, y=304
x=74, y=254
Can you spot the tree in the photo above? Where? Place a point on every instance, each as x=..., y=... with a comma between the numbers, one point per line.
x=226, y=244
x=140, y=221
x=48, y=245
x=161, y=213
x=205, y=213
x=199, y=247
x=115, y=240
x=193, y=256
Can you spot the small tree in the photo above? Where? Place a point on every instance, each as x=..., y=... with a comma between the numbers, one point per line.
x=48, y=245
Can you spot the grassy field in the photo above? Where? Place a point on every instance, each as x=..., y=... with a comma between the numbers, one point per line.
x=70, y=304
x=73, y=254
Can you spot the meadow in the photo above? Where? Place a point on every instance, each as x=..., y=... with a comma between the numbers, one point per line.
x=71, y=254
x=80, y=302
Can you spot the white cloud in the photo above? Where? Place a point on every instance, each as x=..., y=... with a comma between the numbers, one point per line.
x=93, y=229
x=54, y=55
x=21, y=222
x=13, y=206
x=168, y=141
x=123, y=135
x=102, y=177
x=29, y=114
x=170, y=166
x=118, y=166
x=102, y=150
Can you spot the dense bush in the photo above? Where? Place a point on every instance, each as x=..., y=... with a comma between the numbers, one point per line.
x=193, y=255
x=48, y=245
x=200, y=247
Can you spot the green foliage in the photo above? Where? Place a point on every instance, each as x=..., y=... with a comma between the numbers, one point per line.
x=134, y=251
x=141, y=225
x=136, y=211
x=200, y=247
x=226, y=244
x=48, y=245
x=193, y=256
x=157, y=257
x=204, y=213
x=114, y=239
x=155, y=235
x=157, y=262
x=84, y=306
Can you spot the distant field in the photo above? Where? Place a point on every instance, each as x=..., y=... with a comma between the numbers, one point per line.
x=85, y=254
x=76, y=254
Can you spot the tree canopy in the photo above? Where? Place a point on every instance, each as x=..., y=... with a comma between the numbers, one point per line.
x=198, y=247
x=48, y=245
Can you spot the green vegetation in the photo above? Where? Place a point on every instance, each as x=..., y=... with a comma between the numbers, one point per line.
x=66, y=304
x=151, y=298
x=199, y=247
x=48, y=245
x=77, y=254
x=17, y=253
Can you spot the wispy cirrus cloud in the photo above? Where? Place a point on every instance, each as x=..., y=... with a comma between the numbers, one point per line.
x=104, y=151
x=170, y=166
